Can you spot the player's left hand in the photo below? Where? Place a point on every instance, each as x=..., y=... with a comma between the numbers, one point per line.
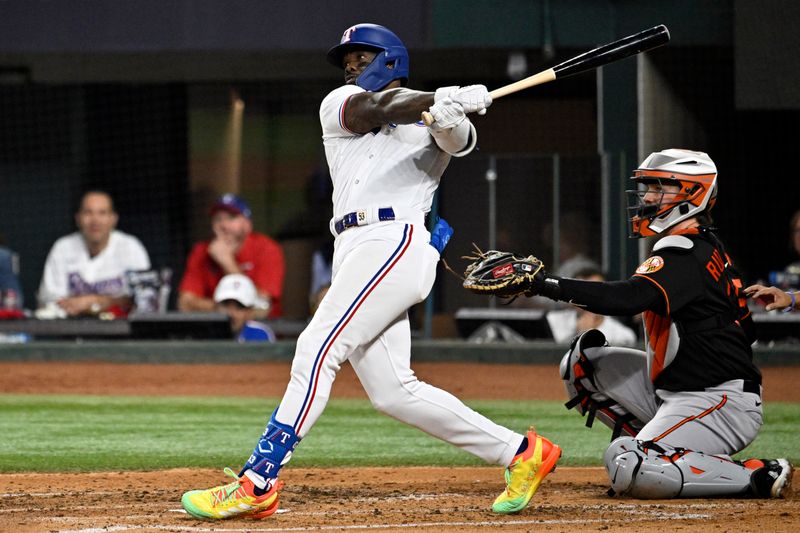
x=504, y=274
x=473, y=98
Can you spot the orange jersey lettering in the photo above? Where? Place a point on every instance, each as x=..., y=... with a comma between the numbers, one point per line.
x=716, y=265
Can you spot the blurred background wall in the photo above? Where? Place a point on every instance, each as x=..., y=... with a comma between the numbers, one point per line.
x=167, y=104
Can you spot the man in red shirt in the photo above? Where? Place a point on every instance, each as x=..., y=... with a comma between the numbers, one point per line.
x=235, y=249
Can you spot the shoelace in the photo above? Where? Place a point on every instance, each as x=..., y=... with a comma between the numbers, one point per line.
x=226, y=491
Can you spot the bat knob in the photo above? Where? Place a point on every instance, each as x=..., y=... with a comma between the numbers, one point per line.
x=427, y=118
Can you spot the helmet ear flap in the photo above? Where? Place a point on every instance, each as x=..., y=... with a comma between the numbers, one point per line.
x=383, y=70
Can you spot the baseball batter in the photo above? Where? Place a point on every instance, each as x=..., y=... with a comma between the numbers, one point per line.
x=385, y=167
x=693, y=398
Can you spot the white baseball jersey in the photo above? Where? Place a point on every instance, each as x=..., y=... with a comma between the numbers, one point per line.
x=70, y=271
x=398, y=165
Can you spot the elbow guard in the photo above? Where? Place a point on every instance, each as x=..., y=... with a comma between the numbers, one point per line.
x=457, y=141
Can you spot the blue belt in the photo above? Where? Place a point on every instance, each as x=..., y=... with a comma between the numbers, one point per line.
x=359, y=218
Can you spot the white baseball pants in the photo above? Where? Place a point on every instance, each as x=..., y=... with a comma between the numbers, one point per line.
x=379, y=271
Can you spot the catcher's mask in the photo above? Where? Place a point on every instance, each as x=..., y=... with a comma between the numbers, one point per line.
x=693, y=172
x=390, y=64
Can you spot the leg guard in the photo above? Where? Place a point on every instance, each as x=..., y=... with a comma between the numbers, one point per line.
x=578, y=375
x=273, y=450
x=648, y=471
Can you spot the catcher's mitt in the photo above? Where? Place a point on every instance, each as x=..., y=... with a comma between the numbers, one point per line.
x=501, y=274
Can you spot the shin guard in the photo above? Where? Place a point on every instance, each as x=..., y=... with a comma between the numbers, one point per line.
x=647, y=470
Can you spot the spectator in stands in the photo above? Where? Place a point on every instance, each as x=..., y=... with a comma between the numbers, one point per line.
x=234, y=249
x=789, y=277
x=794, y=229
x=565, y=324
x=573, y=244
x=235, y=296
x=786, y=297
x=85, y=271
x=574, y=233
x=321, y=271
x=792, y=270
x=10, y=289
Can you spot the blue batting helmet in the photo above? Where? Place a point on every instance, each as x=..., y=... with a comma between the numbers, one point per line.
x=390, y=64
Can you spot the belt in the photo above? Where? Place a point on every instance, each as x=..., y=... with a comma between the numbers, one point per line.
x=751, y=386
x=748, y=385
x=713, y=322
x=362, y=218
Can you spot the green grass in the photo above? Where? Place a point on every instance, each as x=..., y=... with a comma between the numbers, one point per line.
x=88, y=433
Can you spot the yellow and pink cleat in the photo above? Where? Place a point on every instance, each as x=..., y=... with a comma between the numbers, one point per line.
x=526, y=472
x=234, y=499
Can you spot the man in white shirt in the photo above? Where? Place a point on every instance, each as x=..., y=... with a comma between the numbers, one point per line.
x=385, y=166
x=565, y=324
x=85, y=271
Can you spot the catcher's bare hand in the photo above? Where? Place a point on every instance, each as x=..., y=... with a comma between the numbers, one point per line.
x=504, y=274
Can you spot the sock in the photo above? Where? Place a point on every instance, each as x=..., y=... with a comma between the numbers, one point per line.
x=522, y=446
x=261, y=486
x=258, y=491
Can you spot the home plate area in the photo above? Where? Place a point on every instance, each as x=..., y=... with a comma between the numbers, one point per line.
x=341, y=499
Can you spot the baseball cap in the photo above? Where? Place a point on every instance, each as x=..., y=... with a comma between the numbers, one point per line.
x=236, y=287
x=232, y=204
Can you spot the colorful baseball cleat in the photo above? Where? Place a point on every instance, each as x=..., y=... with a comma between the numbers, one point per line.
x=526, y=472
x=234, y=499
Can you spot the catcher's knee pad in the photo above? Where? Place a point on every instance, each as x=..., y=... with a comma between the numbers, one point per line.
x=273, y=449
x=643, y=469
x=585, y=396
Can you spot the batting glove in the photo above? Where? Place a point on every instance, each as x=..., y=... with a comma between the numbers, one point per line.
x=473, y=98
x=444, y=92
x=446, y=115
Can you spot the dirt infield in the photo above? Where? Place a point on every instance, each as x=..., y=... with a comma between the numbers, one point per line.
x=465, y=380
x=431, y=499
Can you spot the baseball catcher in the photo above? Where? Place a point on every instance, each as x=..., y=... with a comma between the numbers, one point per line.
x=680, y=409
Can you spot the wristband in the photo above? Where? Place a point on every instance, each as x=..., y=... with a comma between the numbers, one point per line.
x=790, y=307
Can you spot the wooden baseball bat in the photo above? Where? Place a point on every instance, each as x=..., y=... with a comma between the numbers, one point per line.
x=602, y=55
